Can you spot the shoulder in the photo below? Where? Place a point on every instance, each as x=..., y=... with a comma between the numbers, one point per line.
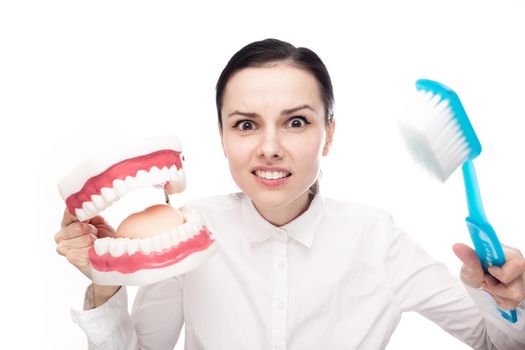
x=335, y=208
x=362, y=224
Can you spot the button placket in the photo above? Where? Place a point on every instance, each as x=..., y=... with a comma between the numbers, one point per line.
x=280, y=289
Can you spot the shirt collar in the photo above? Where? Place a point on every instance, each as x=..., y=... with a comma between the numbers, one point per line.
x=302, y=228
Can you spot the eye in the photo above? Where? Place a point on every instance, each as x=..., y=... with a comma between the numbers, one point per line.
x=244, y=125
x=298, y=122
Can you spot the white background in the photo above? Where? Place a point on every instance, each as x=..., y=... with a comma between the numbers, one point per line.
x=74, y=75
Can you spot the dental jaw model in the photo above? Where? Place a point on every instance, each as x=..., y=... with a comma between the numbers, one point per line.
x=149, y=246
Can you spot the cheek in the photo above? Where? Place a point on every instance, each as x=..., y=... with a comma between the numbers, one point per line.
x=238, y=151
x=307, y=152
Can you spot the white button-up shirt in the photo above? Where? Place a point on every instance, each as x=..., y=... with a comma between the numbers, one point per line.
x=337, y=277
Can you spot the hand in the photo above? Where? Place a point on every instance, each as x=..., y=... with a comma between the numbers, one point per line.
x=506, y=283
x=75, y=238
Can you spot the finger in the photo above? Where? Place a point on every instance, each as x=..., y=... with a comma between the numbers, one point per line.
x=506, y=304
x=503, y=303
x=79, y=257
x=514, y=291
x=68, y=218
x=513, y=269
x=103, y=228
x=98, y=220
x=58, y=236
x=77, y=229
x=515, y=250
x=83, y=241
x=468, y=256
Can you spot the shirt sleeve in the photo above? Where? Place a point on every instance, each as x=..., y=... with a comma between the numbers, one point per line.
x=155, y=321
x=420, y=283
x=108, y=326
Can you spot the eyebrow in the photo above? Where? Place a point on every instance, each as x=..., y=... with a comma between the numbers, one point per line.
x=283, y=112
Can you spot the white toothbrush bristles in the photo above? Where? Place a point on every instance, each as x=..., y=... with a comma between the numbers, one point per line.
x=433, y=135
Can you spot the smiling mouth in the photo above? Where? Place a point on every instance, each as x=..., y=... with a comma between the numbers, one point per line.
x=271, y=175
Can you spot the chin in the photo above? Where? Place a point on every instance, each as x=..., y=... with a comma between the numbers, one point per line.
x=273, y=198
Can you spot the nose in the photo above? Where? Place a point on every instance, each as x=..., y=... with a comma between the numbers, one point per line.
x=270, y=145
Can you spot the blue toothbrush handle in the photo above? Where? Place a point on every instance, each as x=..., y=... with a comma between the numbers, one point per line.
x=486, y=242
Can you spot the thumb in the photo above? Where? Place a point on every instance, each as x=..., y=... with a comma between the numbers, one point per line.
x=467, y=255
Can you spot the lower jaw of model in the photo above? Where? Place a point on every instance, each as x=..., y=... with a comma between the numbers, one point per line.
x=155, y=244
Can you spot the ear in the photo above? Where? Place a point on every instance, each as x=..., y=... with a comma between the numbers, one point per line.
x=329, y=137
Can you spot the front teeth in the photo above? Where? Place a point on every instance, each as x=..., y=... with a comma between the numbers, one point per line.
x=269, y=175
x=121, y=187
x=118, y=246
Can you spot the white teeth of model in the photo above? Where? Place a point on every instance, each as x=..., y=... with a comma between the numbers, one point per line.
x=142, y=179
x=89, y=208
x=120, y=187
x=185, y=233
x=154, y=173
x=108, y=194
x=131, y=183
x=165, y=174
x=117, y=247
x=174, y=237
x=179, y=182
x=101, y=245
x=80, y=214
x=191, y=227
x=99, y=202
x=192, y=232
x=133, y=246
x=165, y=240
x=156, y=243
x=195, y=228
x=145, y=246
x=173, y=172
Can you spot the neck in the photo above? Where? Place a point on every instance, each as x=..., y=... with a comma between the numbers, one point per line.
x=288, y=212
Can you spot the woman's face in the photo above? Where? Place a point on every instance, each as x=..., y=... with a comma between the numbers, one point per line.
x=274, y=133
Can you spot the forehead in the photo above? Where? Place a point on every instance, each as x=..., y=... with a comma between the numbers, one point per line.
x=276, y=87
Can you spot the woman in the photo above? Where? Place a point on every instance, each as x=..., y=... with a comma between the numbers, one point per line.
x=294, y=269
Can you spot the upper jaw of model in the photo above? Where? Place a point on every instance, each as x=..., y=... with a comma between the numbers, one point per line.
x=108, y=176
x=141, y=257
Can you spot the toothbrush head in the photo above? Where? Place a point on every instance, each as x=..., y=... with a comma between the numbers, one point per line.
x=437, y=131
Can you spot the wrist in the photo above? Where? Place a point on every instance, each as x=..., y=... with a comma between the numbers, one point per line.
x=101, y=294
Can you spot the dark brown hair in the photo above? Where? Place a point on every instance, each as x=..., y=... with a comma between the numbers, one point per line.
x=265, y=52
